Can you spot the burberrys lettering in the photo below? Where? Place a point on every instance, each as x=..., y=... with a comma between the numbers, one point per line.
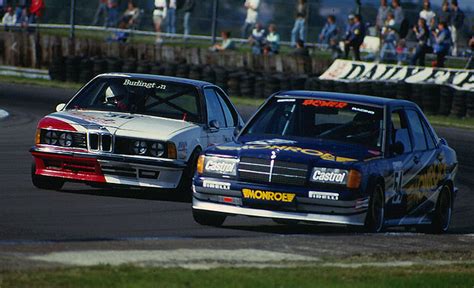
x=353, y=71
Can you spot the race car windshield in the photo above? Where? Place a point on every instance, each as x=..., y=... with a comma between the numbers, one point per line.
x=320, y=119
x=155, y=98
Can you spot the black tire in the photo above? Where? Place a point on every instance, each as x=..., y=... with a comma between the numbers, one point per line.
x=443, y=212
x=208, y=218
x=374, y=222
x=184, y=186
x=43, y=182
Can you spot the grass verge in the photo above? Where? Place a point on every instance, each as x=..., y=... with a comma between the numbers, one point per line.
x=316, y=276
x=466, y=123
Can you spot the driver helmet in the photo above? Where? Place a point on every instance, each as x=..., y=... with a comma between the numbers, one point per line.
x=114, y=93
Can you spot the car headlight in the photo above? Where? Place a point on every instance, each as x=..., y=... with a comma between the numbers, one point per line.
x=217, y=165
x=65, y=139
x=329, y=175
x=157, y=149
x=51, y=138
x=140, y=147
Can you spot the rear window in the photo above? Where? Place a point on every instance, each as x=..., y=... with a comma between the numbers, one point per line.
x=320, y=119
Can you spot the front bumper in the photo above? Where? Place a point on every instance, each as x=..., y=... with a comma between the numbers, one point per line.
x=231, y=201
x=107, y=168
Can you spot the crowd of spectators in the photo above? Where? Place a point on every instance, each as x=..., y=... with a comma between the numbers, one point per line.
x=21, y=15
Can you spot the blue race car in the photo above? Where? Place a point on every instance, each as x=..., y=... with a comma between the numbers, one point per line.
x=331, y=158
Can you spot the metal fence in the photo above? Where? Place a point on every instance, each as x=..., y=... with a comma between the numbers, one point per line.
x=231, y=14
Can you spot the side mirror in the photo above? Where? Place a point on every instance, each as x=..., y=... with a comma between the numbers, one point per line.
x=214, y=126
x=60, y=107
x=443, y=141
x=397, y=148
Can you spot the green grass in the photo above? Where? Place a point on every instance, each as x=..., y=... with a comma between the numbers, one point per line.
x=39, y=82
x=130, y=276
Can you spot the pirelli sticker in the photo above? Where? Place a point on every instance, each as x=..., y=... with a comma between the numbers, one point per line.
x=255, y=194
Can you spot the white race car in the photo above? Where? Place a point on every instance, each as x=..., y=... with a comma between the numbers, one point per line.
x=135, y=130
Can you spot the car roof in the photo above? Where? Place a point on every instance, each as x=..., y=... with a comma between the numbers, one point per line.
x=153, y=77
x=372, y=100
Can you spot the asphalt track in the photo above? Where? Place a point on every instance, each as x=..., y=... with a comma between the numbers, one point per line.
x=80, y=214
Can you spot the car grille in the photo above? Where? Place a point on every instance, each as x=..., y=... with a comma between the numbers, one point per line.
x=260, y=171
x=100, y=142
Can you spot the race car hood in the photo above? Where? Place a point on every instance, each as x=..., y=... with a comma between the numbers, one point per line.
x=306, y=151
x=123, y=124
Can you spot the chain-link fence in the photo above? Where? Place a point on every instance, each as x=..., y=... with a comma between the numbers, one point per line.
x=231, y=14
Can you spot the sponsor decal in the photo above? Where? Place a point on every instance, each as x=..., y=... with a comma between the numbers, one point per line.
x=216, y=185
x=220, y=166
x=286, y=100
x=271, y=141
x=140, y=83
x=326, y=175
x=351, y=71
x=312, y=152
x=324, y=103
x=323, y=195
x=267, y=195
x=357, y=109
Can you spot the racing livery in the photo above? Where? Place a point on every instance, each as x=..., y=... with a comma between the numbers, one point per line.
x=331, y=158
x=131, y=129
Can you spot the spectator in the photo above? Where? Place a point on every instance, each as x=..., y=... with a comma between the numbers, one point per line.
x=273, y=40
x=422, y=34
x=398, y=14
x=427, y=13
x=36, y=9
x=112, y=13
x=9, y=19
x=445, y=14
x=25, y=18
x=101, y=12
x=402, y=52
x=257, y=38
x=457, y=20
x=354, y=37
x=300, y=49
x=130, y=16
x=470, y=62
x=252, y=15
x=389, y=39
x=384, y=9
x=329, y=30
x=301, y=13
x=188, y=8
x=159, y=14
x=227, y=43
x=171, y=17
x=121, y=35
x=442, y=43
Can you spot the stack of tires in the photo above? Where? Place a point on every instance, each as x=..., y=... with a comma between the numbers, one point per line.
x=247, y=84
x=114, y=65
x=195, y=72
x=312, y=84
x=99, y=66
x=222, y=77
x=365, y=88
x=86, y=70
x=297, y=82
x=430, y=98
x=416, y=95
x=170, y=69
x=458, y=107
x=157, y=69
x=73, y=65
x=470, y=104
x=445, y=100
x=208, y=74
x=57, y=69
x=272, y=84
x=259, y=90
x=403, y=90
x=182, y=70
x=233, y=83
x=143, y=67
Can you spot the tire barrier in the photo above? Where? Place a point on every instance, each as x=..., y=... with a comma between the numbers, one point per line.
x=259, y=90
x=352, y=88
x=327, y=85
x=129, y=65
x=208, y=74
x=99, y=66
x=470, y=104
x=417, y=94
x=312, y=84
x=114, y=65
x=233, y=83
x=86, y=69
x=430, y=99
x=271, y=84
x=247, y=84
x=298, y=82
x=390, y=90
x=57, y=69
x=143, y=67
x=365, y=88
x=195, y=72
x=170, y=69
x=403, y=90
x=182, y=70
x=222, y=77
x=458, y=108
x=73, y=68
x=445, y=100
x=157, y=69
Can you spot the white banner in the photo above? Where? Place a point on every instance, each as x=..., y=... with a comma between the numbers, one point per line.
x=354, y=71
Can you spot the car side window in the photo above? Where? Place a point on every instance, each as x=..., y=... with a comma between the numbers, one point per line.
x=419, y=138
x=214, y=109
x=230, y=117
x=429, y=137
x=399, y=132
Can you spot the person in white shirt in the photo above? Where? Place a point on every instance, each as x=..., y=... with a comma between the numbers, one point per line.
x=252, y=15
x=159, y=13
x=9, y=19
x=427, y=13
